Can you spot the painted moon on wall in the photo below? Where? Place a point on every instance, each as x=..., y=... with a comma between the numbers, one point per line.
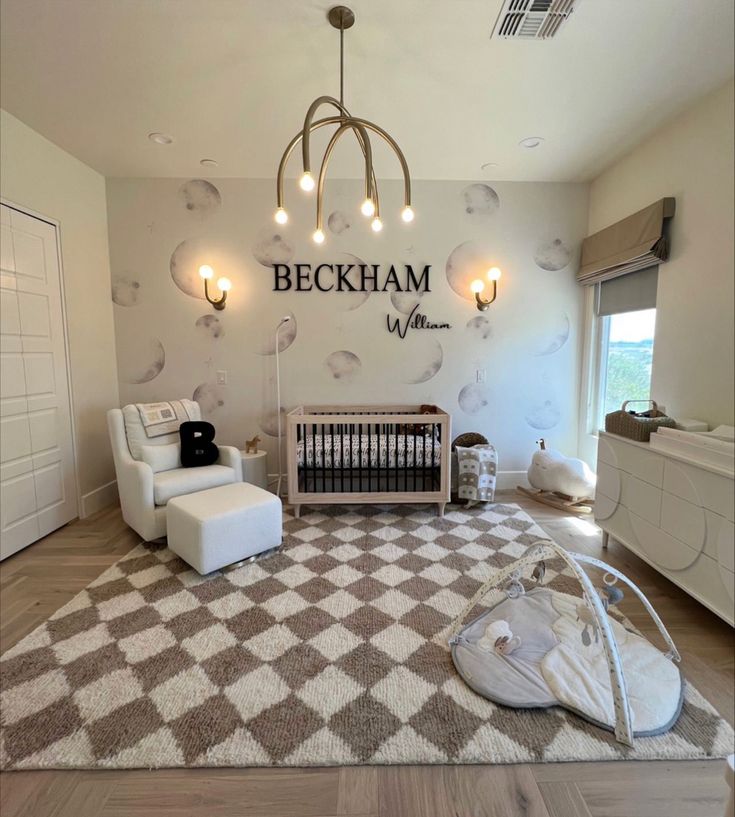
x=268, y=422
x=473, y=398
x=552, y=335
x=209, y=397
x=347, y=301
x=343, y=366
x=338, y=222
x=404, y=302
x=185, y=262
x=210, y=326
x=543, y=415
x=480, y=201
x=286, y=336
x=272, y=247
x=125, y=291
x=479, y=328
x=553, y=255
x=420, y=358
x=144, y=359
x=200, y=197
x=465, y=263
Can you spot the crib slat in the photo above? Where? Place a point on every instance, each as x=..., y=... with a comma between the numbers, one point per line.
x=313, y=457
x=331, y=434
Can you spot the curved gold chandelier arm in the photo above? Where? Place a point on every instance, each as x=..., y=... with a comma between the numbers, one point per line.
x=347, y=124
x=371, y=184
x=399, y=154
x=306, y=130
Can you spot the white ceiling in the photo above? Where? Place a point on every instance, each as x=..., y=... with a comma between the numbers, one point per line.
x=231, y=80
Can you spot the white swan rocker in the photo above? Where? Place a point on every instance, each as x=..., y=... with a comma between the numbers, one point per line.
x=563, y=482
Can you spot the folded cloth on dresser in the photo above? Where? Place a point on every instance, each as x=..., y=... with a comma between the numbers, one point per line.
x=368, y=450
x=163, y=418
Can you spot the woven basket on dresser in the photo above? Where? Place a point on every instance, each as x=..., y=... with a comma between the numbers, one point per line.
x=635, y=426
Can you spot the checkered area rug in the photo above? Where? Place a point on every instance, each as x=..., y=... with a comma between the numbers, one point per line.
x=331, y=651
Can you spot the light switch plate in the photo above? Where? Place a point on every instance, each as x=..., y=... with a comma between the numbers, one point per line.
x=221, y=377
x=480, y=375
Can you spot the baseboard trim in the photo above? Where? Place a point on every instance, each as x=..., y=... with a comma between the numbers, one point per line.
x=98, y=499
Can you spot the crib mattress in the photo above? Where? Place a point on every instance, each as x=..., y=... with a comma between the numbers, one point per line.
x=368, y=451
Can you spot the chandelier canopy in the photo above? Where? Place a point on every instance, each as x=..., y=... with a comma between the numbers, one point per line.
x=341, y=18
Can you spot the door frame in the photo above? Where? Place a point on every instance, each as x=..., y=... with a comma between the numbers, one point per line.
x=56, y=224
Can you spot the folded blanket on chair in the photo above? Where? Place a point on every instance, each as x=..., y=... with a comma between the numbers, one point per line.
x=162, y=418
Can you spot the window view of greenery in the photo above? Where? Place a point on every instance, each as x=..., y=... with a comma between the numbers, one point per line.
x=629, y=358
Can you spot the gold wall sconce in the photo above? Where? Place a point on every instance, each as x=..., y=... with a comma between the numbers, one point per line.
x=224, y=284
x=478, y=286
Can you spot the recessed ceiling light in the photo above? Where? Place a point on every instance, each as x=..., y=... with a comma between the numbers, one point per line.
x=488, y=165
x=160, y=138
x=531, y=141
x=208, y=162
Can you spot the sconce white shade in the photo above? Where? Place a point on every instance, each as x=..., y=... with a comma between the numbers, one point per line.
x=224, y=284
x=281, y=216
x=407, y=214
x=318, y=236
x=206, y=271
x=477, y=286
x=494, y=273
x=367, y=208
x=376, y=224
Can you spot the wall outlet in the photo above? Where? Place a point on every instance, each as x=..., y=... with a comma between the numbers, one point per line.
x=221, y=378
x=480, y=375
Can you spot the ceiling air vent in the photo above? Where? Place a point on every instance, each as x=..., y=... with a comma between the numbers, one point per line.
x=532, y=19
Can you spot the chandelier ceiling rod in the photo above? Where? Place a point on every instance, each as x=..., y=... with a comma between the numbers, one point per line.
x=341, y=18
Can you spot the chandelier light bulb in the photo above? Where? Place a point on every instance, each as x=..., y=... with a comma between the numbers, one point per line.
x=367, y=208
x=306, y=182
x=407, y=213
x=494, y=274
x=376, y=224
x=318, y=237
x=477, y=286
x=206, y=271
x=224, y=284
x=281, y=216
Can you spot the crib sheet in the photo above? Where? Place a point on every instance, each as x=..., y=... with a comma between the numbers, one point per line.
x=368, y=450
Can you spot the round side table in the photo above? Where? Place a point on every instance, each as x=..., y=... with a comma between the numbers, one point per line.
x=255, y=468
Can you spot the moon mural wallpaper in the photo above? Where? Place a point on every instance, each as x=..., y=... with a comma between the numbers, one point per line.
x=336, y=347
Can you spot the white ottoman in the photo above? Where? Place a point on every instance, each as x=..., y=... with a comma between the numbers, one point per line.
x=214, y=528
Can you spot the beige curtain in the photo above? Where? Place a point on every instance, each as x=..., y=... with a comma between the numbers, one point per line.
x=632, y=244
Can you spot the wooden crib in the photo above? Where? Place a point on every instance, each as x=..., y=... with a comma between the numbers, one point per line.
x=367, y=454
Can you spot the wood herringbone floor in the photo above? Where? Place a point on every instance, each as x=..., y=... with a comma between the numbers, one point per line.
x=40, y=579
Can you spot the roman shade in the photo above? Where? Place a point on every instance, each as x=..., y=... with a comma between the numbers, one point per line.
x=635, y=243
x=628, y=293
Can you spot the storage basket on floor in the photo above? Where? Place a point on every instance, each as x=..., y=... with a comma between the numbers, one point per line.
x=637, y=426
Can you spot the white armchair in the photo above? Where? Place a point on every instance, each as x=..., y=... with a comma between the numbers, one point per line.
x=143, y=493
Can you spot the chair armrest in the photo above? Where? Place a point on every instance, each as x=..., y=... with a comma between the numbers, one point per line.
x=230, y=456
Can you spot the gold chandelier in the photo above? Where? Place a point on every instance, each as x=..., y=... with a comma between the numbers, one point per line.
x=341, y=18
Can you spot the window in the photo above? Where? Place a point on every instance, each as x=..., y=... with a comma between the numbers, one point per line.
x=625, y=357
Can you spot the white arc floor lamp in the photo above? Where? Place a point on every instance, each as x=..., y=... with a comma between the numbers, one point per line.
x=284, y=320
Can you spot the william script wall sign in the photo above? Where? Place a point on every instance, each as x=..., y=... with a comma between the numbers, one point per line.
x=360, y=278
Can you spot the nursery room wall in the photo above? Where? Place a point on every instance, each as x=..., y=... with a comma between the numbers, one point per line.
x=40, y=176
x=337, y=349
x=691, y=159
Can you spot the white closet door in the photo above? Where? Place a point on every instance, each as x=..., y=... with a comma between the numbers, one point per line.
x=37, y=483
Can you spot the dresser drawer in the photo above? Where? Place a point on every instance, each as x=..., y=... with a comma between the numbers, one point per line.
x=700, y=487
x=633, y=458
x=685, y=521
x=641, y=498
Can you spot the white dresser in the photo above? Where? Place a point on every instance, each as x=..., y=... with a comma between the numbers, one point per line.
x=675, y=514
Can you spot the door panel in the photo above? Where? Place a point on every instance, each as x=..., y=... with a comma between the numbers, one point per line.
x=37, y=482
